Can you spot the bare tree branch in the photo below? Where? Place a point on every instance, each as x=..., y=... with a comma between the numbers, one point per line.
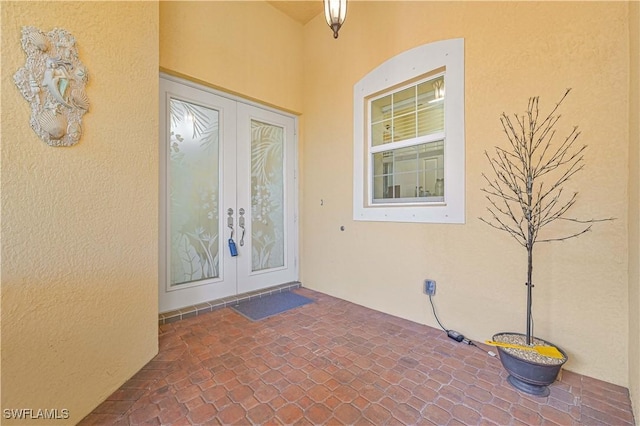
x=525, y=200
x=548, y=240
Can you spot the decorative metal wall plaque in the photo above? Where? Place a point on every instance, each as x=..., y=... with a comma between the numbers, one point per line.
x=53, y=81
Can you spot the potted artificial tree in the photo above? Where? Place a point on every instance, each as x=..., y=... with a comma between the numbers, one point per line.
x=526, y=195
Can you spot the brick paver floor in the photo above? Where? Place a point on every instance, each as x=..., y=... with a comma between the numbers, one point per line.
x=333, y=362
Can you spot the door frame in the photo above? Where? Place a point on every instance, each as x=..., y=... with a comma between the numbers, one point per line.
x=163, y=213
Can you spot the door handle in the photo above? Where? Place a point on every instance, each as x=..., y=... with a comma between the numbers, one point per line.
x=230, y=221
x=232, y=245
x=241, y=225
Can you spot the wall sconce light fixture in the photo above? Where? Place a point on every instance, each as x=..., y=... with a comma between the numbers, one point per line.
x=335, y=11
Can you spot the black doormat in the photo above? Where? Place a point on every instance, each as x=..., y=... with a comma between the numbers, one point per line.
x=273, y=304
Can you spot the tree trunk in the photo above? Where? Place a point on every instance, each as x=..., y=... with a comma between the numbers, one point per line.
x=529, y=288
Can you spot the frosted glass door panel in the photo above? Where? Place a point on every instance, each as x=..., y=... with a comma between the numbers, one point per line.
x=267, y=193
x=197, y=186
x=193, y=192
x=267, y=198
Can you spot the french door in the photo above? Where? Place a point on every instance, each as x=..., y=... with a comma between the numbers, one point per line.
x=228, y=196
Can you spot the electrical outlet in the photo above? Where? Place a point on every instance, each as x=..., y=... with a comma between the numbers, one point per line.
x=430, y=287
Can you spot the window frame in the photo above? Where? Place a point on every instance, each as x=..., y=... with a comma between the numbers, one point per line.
x=423, y=62
x=416, y=141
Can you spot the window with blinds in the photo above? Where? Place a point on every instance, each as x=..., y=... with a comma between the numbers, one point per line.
x=407, y=143
x=408, y=137
x=408, y=113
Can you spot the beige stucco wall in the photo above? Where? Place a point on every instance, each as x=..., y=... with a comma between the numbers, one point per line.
x=634, y=207
x=79, y=225
x=512, y=51
x=246, y=48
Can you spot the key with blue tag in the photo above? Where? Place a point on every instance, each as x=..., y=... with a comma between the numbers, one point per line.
x=232, y=247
